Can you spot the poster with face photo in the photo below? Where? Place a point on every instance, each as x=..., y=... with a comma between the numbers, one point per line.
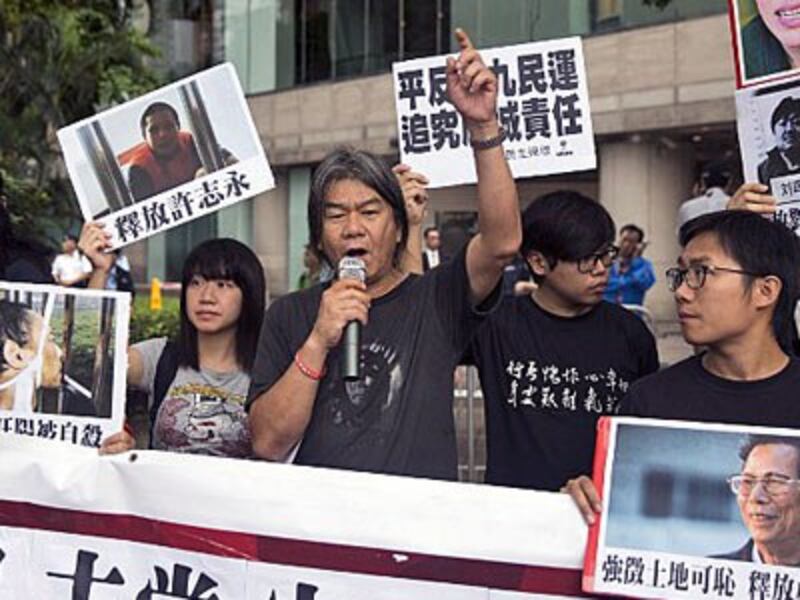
x=695, y=510
x=63, y=361
x=768, y=120
x=766, y=39
x=171, y=156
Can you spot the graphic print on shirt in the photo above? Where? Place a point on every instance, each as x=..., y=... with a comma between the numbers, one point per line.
x=204, y=419
x=547, y=387
x=381, y=378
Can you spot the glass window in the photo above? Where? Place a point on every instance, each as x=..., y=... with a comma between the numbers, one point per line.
x=313, y=44
x=426, y=28
x=350, y=35
x=383, y=41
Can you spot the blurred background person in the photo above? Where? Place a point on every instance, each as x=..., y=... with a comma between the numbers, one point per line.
x=710, y=192
x=71, y=268
x=631, y=274
x=313, y=266
x=430, y=255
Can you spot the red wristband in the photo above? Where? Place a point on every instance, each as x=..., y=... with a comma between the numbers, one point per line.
x=129, y=429
x=309, y=372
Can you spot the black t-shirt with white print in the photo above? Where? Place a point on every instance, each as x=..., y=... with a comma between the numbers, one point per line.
x=687, y=391
x=547, y=379
x=398, y=417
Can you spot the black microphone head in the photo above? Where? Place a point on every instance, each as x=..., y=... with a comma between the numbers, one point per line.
x=352, y=267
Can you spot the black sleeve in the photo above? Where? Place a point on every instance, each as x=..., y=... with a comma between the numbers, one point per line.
x=139, y=183
x=274, y=354
x=458, y=316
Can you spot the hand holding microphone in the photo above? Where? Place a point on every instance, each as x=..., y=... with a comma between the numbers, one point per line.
x=351, y=268
x=345, y=301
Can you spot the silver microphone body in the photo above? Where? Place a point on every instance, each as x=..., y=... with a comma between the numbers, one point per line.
x=351, y=267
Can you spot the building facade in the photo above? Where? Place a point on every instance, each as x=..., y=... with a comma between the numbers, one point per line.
x=317, y=75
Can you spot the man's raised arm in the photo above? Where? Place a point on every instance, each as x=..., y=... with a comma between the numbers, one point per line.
x=472, y=88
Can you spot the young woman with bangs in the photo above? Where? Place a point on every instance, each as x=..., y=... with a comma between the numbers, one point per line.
x=197, y=384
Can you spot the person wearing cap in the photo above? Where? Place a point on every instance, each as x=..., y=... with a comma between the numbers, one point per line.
x=784, y=158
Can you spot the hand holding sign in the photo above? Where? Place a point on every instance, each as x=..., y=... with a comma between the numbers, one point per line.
x=415, y=193
x=753, y=196
x=472, y=87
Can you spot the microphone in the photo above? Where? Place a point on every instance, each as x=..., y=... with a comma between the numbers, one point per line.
x=352, y=267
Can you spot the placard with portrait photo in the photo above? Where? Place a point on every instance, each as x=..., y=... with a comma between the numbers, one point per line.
x=63, y=362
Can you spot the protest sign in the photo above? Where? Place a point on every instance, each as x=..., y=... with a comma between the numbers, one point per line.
x=64, y=360
x=543, y=105
x=154, y=524
x=171, y=156
x=695, y=510
x=763, y=39
x=768, y=120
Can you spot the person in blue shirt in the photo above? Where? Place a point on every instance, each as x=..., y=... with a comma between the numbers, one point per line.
x=631, y=274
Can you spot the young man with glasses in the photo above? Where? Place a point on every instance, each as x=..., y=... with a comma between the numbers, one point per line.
x=735, y=286
x=553, y=362
x=768, y=496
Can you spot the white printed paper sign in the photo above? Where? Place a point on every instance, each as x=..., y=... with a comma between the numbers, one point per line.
x=64, y=360
x=171, y=156
x=543, y=105
x=695, y=510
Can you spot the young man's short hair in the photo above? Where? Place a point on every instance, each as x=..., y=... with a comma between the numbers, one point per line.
x=565, y=225
x=759, y=246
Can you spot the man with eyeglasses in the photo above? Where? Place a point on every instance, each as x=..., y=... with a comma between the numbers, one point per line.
x=735, y=286
x=784, y=158
x=551, y=363
x=768, y=496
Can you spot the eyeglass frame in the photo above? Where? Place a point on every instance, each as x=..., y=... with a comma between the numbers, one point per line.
x=611, y=252
x=704, y=270
x=737, y=481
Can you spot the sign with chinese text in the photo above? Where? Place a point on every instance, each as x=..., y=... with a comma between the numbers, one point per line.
x=543, y=105
x=695, y=511
x=151, y=525
x=64, y=361
x=171, y=156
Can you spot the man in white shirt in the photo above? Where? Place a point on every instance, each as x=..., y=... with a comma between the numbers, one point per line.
x=430, y=255
x=71, y=268
x=712, y=197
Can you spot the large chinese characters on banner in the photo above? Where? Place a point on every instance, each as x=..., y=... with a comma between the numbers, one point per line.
x=153, y=525
x=695, y=510
x=171, y=156
x=543, y=106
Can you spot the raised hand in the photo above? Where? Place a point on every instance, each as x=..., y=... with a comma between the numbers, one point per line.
x=471, y=85
x=415, y=193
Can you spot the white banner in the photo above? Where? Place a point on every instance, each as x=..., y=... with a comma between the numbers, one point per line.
x=543, y=104
x=154, y=525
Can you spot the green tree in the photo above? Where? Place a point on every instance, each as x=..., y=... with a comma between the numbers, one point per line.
x=60, y=61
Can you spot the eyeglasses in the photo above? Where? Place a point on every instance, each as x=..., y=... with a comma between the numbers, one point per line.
x=695, y=275
x=587, y=264
x=742, y=485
